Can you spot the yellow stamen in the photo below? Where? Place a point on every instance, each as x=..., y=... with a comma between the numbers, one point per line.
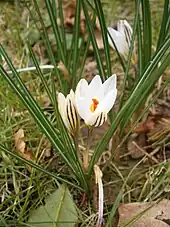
x=94, y=105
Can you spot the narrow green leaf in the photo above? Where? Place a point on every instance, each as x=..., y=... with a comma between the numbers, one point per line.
x=119, y=197
x=130, y=54
x=100, y=15
x=165, y=17
x=147, y=31
x=56, y=31
x=53, y=135
x=37, y=167
x=47, y=42
x=63, y=34
x=75, y=44
x=140, y=47
x=40, y=74
x=90, y=26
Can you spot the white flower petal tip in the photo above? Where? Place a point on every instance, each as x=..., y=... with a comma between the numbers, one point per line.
x=121, y=37
x=68, y=111
x=95, y=100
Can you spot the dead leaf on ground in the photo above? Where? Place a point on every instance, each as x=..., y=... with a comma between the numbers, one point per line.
x=154, y=214
x=69, y=12
x=21, y=147
x=134, y=151
x=145, y=126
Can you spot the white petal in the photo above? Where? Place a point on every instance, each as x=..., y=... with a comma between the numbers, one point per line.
x=71, y=112
x=83, y=108
x=92, y=118
x=119, y=40
x=110, y=84
x=108, y=102
x=128, y=26
x=62, y=108
x=120, y=27
x=101, y=119
x=61, y=103
x=95, y=89
x=125, y=28
x=81, y=88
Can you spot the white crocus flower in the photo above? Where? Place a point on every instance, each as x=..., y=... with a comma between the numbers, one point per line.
x=121, y=36
x=95, y=100
x=68, y=111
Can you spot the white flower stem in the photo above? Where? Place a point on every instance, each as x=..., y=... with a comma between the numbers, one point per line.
x=32, y=68
x=98, y=175
x=100, y=204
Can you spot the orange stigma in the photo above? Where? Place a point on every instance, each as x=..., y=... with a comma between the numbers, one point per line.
x=94, y=105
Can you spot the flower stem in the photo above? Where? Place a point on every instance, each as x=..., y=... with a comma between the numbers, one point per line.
x=75, y=138
x=86, y=152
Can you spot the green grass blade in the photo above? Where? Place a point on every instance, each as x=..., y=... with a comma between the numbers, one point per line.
x=47, y=43
x=56, y=31
x=145, y=85
x=139, y=48
x=114, y=209
x=147, y=31
x=90, y=26
x=42, y=121
x=100, y=15
x=40, y=74
x=63, y=34
x=75, y=44
x=125, y=79
x=165, y=17
x=143, y=113
x=168, y=24
x=36, y=166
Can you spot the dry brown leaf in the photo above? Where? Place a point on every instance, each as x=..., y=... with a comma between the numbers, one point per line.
x=134, y=151
x=146, y=126
x=19, y=141
x=69, y=11
x=156, y=216
x=21, y=146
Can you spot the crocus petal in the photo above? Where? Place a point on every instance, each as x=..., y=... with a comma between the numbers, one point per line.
x=108, y=102
x=125, y=28
x=91, y=120
x=100, y=119
x=81, y=89
x=62, y=108
x=119, y=40
x=95, y=88
x=110, y=84
x=83, y=107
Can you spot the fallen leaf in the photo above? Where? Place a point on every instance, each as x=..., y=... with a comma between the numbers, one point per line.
x=19, y=141
x=69, y=12
x=21, y=148
x=134, y=151
x=59, y=210
x=145, y=214
x=146, y=126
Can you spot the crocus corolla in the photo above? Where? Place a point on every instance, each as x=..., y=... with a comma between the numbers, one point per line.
x=121, y=36
x=94, y=101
